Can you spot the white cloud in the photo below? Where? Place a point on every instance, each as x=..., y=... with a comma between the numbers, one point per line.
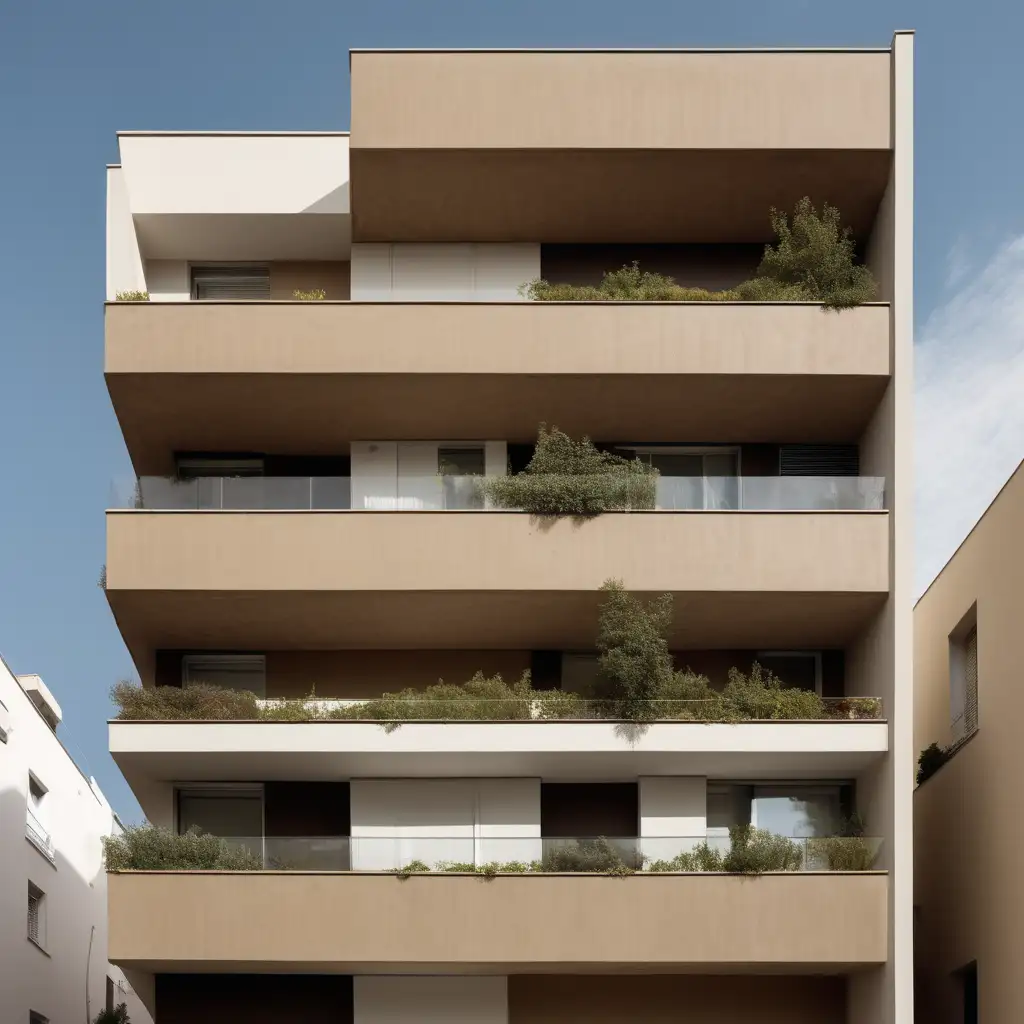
x=969, y=406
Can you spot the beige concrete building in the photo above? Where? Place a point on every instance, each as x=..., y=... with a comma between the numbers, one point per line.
x=967, y=893
x=304, y=519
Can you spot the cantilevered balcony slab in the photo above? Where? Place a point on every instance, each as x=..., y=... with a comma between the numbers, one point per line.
x=366, y=923
x=161, y=752
x=501, y=580
x=312, y=376
x=632, y=146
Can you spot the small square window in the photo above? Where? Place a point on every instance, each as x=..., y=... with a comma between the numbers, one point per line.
x=37, y=915
x=37, y=1018
x=36, y=790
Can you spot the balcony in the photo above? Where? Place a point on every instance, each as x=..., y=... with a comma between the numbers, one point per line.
x=310, y=376
x=151, y=753
x=278, y=580
x=364, y=923
x=38, y=835
x=573, y=147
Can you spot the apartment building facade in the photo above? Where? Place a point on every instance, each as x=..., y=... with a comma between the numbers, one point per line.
x=966, y=888
x=306, y=520
x=53, y=893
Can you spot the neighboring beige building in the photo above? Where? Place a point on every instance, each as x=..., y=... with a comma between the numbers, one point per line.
x=301, y=519
x=967, y=895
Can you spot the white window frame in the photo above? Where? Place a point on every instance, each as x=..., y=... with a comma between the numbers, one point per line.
x=816, y=655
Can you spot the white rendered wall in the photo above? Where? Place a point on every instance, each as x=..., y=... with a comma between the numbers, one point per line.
x=380, y=999
x=56, y=983
x=124, y=264
x=397, y=821
x=673, y=814
x=227, y=173
x=424, y=272
x=168, y=281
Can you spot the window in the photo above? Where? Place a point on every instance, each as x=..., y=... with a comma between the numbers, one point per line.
x=800, y=669
x=37, y=1018
x=37, y=915
x=232, y=671
x=228, y=811
x=963, y=677
x=967, y=979
x=454, y=465
x=795, y=810
x=693, y=478
x=227, y=282
x=36, y=827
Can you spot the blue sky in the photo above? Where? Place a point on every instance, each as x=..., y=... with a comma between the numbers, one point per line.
x=73, y=73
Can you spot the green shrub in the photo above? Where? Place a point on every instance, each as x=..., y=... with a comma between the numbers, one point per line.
x=813, y=260
x=754, y=851
x=930, y=760
x=313, y=295
x=194, y=702
x=414, y=867
x=816, y=254
x=132, y=296
x=634, y=660
x=150, y=848
x=597, y=856
x=842, y=853
x=702, y=857
x=568, y=477
x=118, y=1015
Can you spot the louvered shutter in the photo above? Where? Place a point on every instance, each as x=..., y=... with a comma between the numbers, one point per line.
x=819, y=460
x=230, y=283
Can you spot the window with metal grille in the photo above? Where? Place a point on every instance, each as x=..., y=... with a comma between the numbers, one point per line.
x=36, y=914
x=239, y=282
x=963, y=677
x=971, y=682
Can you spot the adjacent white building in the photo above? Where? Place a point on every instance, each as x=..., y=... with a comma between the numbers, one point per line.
x=53, y=889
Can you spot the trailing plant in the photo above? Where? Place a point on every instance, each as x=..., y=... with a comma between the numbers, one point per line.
x=118, y=1015
x=634, y=661
x=414, y=867
x=812, y=260
x=569, y=477
x=313, y=295
x=132, y=296
x=930, y=760
x=752, y=851
x=151, y=848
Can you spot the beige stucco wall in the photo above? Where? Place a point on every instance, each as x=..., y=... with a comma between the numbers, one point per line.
x=497, y=551
x=603, y=100
x=664, y=999
x=330, y=276
x=508, y=338
x=372, y=923
x=968, y=887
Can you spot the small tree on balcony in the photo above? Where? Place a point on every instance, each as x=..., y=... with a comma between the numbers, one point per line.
x=571, y=477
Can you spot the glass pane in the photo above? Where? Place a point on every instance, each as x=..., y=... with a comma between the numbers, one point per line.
x=221, y=814
x=727, y=805
x=722, y=484
x=798, y=810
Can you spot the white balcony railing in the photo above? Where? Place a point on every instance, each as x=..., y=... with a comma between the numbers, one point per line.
x=38, y=834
